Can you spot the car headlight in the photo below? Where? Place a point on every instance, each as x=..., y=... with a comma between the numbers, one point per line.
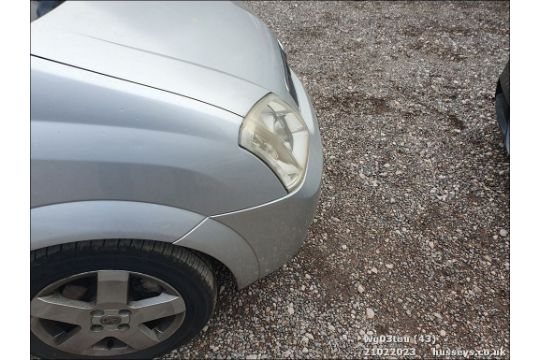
x=277, y=134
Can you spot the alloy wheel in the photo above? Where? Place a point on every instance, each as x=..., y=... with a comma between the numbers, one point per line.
x=106, y=313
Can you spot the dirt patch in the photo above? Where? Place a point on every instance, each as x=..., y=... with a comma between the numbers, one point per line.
x=456, y=122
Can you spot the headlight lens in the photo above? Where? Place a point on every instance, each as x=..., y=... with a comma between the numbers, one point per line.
x=277, y=134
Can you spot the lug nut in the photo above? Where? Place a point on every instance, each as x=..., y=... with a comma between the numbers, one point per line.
x=96, y=328
x=124, y=312
x=123, y=327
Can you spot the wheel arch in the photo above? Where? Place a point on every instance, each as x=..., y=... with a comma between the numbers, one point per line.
x=71, y=222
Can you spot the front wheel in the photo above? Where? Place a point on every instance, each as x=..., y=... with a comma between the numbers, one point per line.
x=125, y=299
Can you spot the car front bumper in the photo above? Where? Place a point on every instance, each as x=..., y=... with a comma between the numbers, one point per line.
x=275, y=231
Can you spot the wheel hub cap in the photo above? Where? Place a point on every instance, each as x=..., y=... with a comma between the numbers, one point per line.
x=110, y=319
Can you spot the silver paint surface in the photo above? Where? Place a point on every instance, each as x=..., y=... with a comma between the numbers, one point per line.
x=136, y=109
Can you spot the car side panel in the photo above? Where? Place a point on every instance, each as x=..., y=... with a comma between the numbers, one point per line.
x=91, y=220
x=98, y=138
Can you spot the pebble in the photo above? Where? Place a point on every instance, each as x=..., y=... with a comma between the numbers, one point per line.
x=290, y=309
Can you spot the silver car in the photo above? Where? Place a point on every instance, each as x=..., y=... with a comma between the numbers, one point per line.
x=169, y=141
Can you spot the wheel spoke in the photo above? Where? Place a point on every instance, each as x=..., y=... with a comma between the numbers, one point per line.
x=112, y=287
x=78, y=341
x=140, y=338
x=59, y=308
x=156, y=307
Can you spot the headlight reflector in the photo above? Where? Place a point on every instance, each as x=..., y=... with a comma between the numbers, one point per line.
x=277, y=134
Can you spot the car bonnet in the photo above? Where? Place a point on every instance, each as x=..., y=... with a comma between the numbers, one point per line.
x=214, y=52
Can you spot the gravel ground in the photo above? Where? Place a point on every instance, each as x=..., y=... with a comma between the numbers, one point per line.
x=411, y=233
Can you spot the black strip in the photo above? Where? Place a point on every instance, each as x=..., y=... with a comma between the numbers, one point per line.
x=288, y=77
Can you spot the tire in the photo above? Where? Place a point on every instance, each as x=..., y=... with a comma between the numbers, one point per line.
x=173, y=267
x=504, y=80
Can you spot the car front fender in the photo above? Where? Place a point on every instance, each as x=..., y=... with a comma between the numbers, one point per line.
x=92, y=220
